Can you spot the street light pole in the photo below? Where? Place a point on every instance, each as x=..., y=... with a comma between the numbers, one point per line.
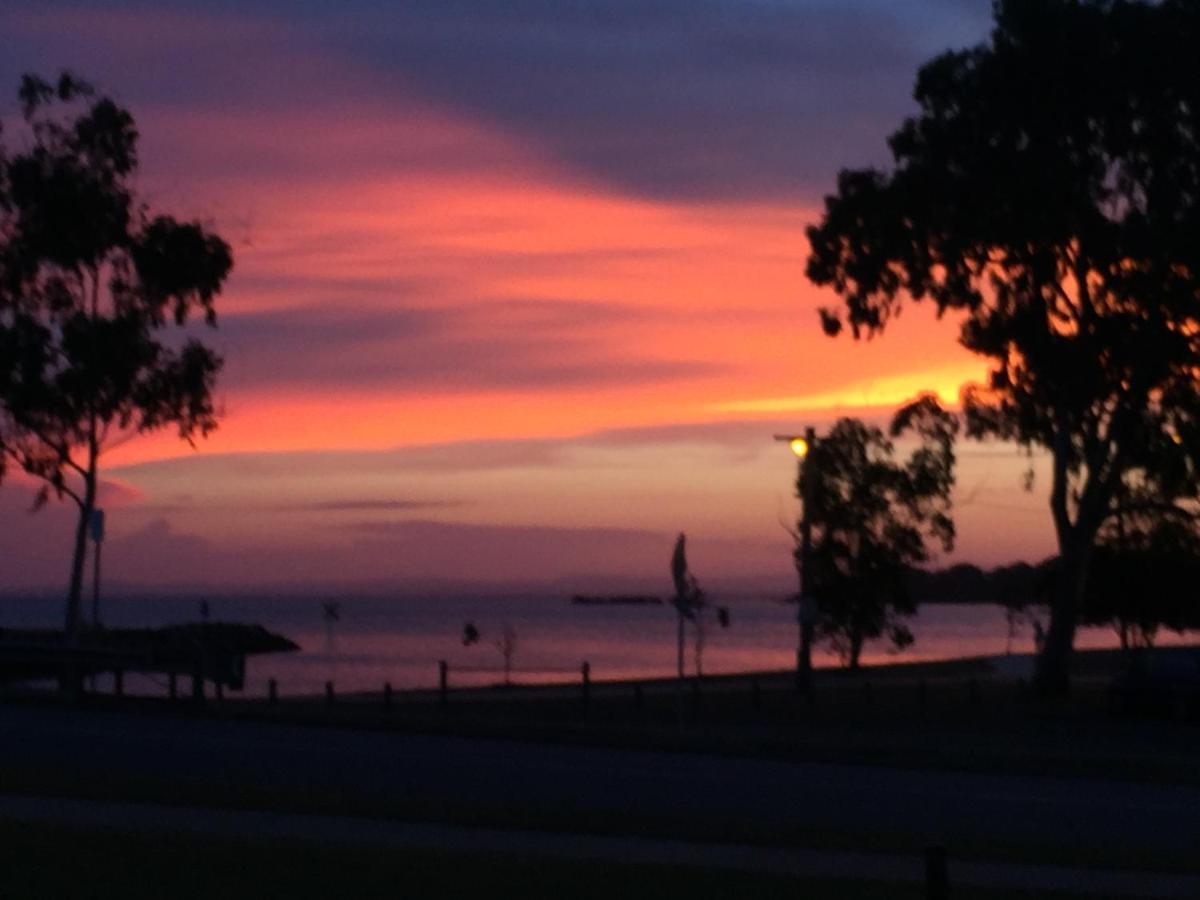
x=801, y=446
x=804, y=609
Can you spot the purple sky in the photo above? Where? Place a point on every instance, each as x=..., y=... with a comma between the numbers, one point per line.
x=519, y=287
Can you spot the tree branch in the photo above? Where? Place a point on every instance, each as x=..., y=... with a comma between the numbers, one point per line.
x=1058, y=490
x=1150, y=506
x=61, y=450
x=29, y=465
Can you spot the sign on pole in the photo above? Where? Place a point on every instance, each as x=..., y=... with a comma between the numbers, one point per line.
x=97, y=525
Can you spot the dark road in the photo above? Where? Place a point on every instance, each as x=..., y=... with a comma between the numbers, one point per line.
x=617, y=784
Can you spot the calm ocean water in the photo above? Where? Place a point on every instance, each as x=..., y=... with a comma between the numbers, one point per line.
x=402, y=640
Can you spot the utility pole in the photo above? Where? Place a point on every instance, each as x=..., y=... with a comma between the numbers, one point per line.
x=801, y=446
x=805, y=613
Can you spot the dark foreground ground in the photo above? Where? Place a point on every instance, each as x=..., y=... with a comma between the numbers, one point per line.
x=883, y=765
x=150, y=865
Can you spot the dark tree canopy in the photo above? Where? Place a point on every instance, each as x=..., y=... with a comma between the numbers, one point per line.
x=1146, y=577
x=871, y=516
x=91, y=284
x=1048, y=190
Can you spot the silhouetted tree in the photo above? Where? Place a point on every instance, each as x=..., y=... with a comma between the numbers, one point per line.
x=1049, y=189
x=506, y=646
x=1013, y=588
x=90, y=280
x=1146, y=576
x=688, y=601
x=870, y=516
x=691, y=605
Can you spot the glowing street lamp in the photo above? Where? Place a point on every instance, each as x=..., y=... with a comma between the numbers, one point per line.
x=800, y=445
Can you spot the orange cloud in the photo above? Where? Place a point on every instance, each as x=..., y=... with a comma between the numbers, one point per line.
x=413, y=272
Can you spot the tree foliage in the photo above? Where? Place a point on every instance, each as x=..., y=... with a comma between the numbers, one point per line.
x=91, y=286
x=871, y=516
x=1048, y=189
x=1146, y=577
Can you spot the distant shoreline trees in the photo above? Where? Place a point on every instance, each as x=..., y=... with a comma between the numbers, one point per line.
x=1048, y=189
x=95, y=291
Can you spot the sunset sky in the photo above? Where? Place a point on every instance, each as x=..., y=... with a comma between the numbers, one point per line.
x=519, y=288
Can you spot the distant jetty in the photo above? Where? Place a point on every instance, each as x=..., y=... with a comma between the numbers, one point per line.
x=616, y=600
x=208, y=651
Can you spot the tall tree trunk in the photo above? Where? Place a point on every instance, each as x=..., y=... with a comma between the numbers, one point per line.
x=856, y=645
x=680, y=643
x=71, y=681
x=74, y=619
x=1052, y=675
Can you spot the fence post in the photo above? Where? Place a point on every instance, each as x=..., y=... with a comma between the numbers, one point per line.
x=443, y=683
x=585, y=672
x=198, y=684
x=172, y=687
x=272, y=691
x=329, y=693
x=937, y=883
x=220, y=689
x=387, y=695
x=119, y=682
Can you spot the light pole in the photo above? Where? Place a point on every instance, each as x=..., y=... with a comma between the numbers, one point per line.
x=801, y=446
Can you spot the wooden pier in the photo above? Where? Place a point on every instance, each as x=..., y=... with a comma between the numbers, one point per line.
x=211, y=651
